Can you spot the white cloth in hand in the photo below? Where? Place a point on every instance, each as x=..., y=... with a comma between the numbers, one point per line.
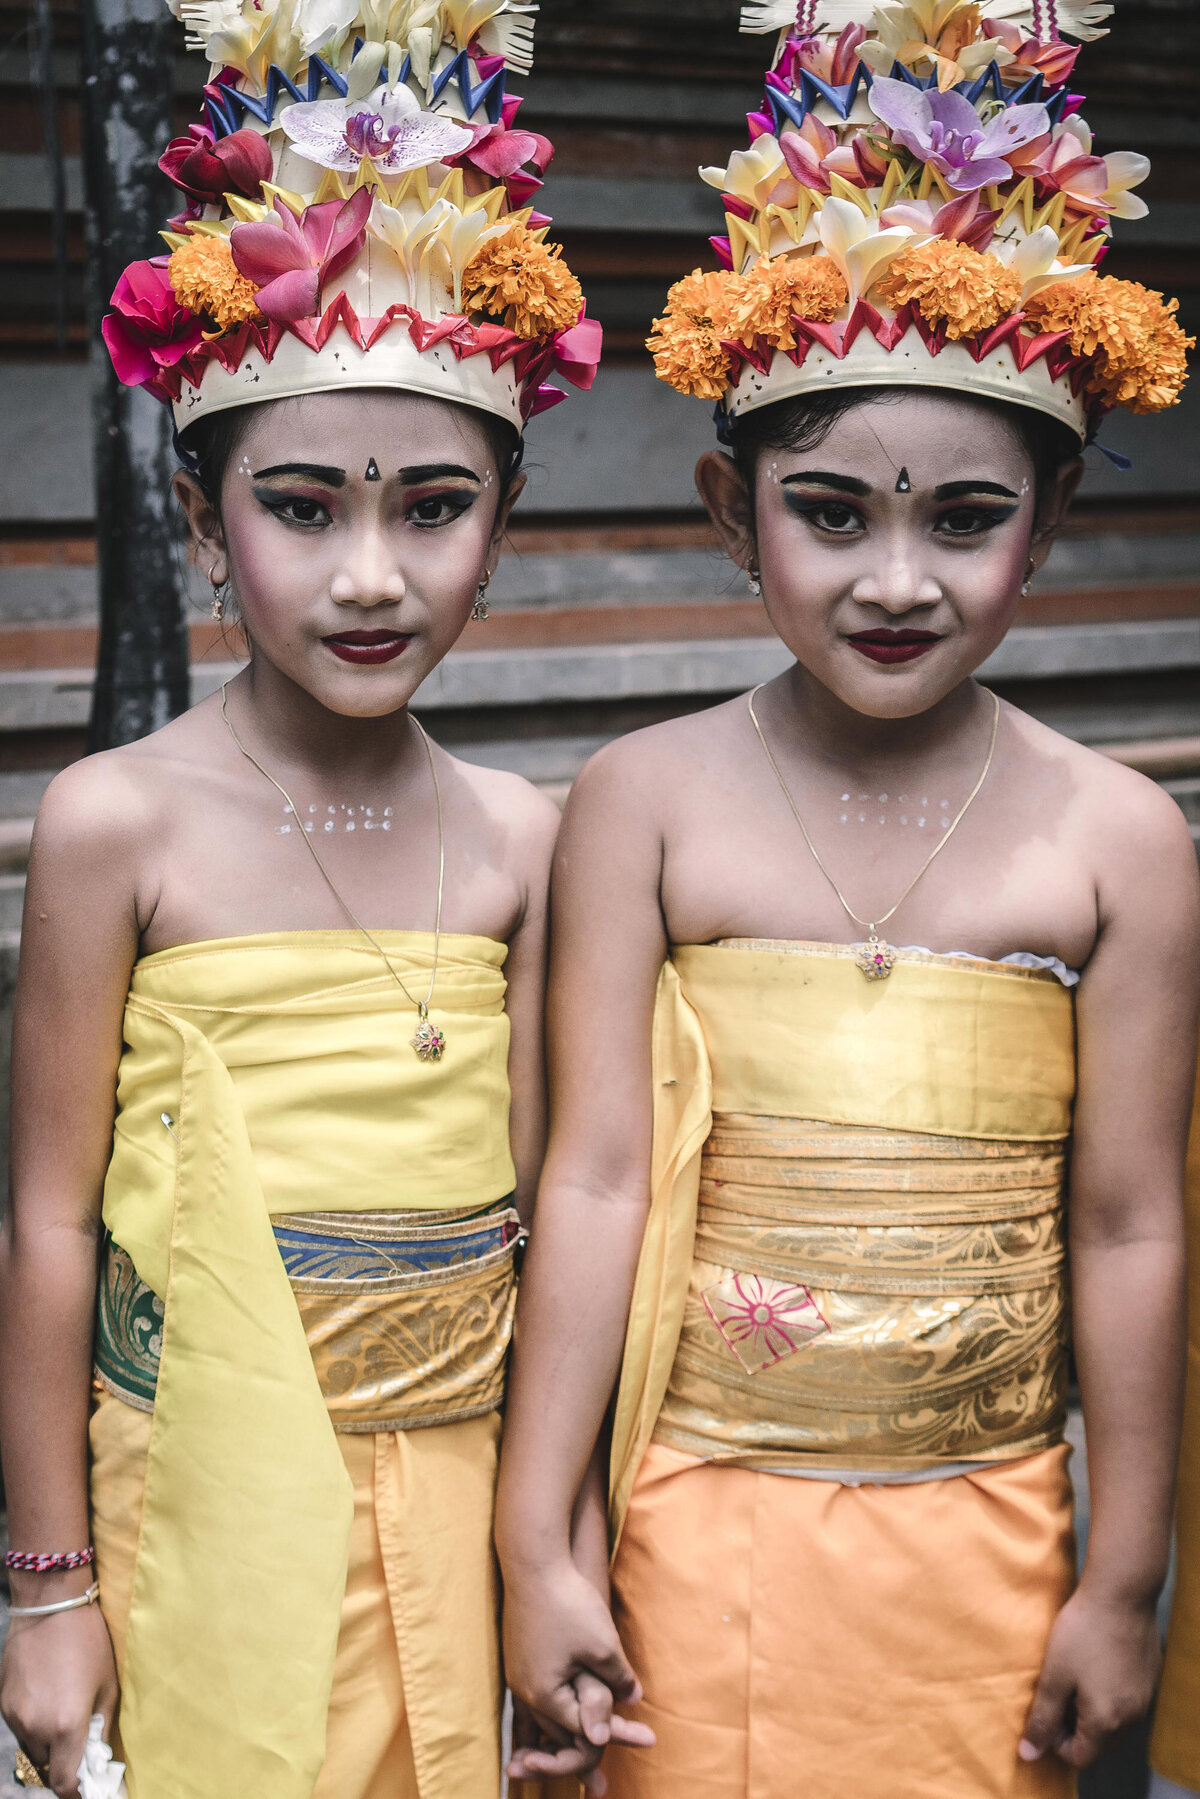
x=99, y=1776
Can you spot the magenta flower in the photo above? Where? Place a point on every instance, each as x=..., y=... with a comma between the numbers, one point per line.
x=945, y=130
x=501, y=152
x=290, y=261
x=205, y=169
x=149, y=330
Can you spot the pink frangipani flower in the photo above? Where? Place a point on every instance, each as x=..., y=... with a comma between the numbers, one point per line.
x=945, y=130
x=962, y=220
x=148, y=330
x=290, y=261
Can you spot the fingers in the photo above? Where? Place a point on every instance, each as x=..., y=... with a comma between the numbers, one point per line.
x=64, y=1758
x=632, y=1733
x=595, y=1708
x=1046, y=1725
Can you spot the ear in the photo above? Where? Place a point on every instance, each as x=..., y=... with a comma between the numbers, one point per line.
x=208, y=539
x=516, y=488
x=1054, y=509
x=730, y=506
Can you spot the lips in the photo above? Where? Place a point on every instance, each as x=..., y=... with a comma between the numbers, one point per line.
x=367, y=647
x=883, y=645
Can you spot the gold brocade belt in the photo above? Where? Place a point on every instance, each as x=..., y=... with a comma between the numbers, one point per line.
x=408, y=1314
x=871, y=1299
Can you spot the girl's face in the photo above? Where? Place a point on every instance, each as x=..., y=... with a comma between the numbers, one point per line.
x=355, y=529
x=892, y=555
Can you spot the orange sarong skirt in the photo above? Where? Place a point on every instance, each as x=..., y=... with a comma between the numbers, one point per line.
x=800, y=1639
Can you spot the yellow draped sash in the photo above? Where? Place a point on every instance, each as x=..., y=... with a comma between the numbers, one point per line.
x=944, y=1047
x=264, y=1075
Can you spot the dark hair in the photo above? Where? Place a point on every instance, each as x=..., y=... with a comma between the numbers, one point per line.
x=206, y=448
x=805, y=422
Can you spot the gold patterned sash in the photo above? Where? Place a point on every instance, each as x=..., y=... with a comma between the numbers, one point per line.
x=408, y=1315
x=871, y=1298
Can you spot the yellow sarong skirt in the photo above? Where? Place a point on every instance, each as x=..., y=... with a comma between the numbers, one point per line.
x=294, y=1451
x=853, y=1266
x=395, y=1583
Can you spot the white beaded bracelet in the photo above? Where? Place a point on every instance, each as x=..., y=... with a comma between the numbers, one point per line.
x=60, y=1605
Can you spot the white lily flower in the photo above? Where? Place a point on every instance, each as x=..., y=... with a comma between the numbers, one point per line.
x=861, y=252
x=754, y=175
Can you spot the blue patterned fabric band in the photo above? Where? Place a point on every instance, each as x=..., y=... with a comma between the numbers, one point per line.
x=408, y=1314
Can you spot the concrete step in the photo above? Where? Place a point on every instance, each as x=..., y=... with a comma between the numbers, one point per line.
x=56, y=699
x=45, y=592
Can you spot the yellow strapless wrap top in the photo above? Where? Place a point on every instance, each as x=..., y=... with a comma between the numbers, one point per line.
x=854, y=1254
x=265, y=1075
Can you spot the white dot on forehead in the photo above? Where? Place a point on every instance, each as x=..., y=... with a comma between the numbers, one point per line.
x=1024, y=485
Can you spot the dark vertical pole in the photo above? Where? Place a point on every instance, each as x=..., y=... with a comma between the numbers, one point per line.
x=42, y=60
x=128, y=49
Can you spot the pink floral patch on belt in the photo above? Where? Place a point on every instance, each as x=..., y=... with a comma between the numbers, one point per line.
x=761, y=1319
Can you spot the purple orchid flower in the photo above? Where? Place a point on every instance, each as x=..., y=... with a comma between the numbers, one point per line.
x=945, y=130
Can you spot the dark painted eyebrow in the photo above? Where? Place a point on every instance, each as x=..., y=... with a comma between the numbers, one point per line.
x=312, y=471
x=823, y=478
x=954, y=490
x=436, y=471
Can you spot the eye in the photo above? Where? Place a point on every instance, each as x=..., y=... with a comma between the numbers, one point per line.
x=293, y=509
x=972, y=521
x=437, y=509
x=835, y=517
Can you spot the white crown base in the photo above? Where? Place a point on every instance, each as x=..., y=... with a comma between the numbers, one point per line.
x=911, y=364
x=393, y=362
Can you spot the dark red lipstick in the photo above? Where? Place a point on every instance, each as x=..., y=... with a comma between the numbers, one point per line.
x=367, y=647
x=882, y=645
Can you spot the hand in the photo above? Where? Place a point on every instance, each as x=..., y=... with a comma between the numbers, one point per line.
x=56, y=1673
x=1099, y=1674
x=566, y=1669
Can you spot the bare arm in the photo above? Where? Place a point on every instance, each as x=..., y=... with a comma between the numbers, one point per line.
x=609, y=944
x=79, y=942
x=1137, y=1012
x=525, y=1001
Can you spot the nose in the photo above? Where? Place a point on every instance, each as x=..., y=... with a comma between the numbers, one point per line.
x=896, y=585
x=370, y=574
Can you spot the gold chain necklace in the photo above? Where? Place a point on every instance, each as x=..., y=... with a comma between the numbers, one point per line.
x=428, y=1041
x=876, y=958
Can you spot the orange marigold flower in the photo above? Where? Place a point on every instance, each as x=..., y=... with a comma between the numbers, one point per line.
x=203, y=277
x=516, y=278
x=760, y=305
x=1137, y=345
x=686, y=343
x=967, y=291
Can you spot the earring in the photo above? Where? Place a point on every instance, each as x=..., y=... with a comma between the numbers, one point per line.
x=755, y=582
x=481, y=610
x=218, y=601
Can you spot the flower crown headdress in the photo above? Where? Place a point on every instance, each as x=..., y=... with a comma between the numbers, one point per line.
x=920, y=205
x=358, y=214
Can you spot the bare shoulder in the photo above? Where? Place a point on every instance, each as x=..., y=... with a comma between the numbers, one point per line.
x=1126, y=825
x=524, y=818
x=646, y=773
x=113, y=798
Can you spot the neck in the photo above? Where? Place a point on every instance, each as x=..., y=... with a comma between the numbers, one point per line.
x=816, y=724
x=296, y=735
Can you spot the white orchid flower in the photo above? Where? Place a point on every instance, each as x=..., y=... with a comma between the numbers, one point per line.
x=387, y=126
x=861, y=252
